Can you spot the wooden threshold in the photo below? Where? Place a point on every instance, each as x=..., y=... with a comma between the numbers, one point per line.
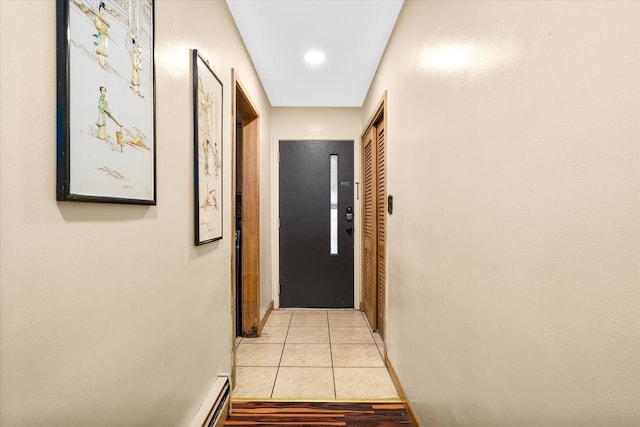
x=347, y=414
x=282, y=400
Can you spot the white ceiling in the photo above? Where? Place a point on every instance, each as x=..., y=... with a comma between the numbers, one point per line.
x=352, y=34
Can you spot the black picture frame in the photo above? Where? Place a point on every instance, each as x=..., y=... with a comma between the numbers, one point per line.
x=207, y=151
x=106, y=141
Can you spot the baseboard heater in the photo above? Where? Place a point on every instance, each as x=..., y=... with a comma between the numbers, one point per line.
x=215, y=407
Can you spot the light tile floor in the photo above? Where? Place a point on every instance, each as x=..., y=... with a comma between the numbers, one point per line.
x=313, y=354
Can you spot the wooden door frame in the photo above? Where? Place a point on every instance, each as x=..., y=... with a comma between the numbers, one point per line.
x=379, y=115
x=250, y=298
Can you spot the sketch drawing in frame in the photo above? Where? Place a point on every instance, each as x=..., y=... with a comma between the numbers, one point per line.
x=106, y=101
x=207, y=129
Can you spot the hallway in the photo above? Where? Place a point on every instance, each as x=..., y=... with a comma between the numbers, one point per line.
x=313, y=354
x=511, y=216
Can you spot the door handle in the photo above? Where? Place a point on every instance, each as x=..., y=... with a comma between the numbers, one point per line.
x=349, y=230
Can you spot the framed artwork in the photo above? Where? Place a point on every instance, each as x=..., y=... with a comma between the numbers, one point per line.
x=106, y=101
x=207, y=130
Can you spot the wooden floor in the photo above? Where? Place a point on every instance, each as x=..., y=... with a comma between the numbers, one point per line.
x=274, y=413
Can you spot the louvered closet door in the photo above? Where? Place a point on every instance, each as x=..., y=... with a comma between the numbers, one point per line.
x=369, y=233
x=381, y=180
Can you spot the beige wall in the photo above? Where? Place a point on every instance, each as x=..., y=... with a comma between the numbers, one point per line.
x=109, y=314
x=513, y=278
x=315, y=123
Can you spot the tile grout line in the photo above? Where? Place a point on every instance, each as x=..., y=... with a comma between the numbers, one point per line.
x=273, y=388
x=373, y=336
x=380, y=352
x=333, y=371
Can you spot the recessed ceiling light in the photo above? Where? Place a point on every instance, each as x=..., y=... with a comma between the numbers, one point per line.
x=314, y=57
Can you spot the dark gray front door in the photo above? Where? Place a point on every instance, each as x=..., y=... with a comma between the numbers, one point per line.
x=316, y=224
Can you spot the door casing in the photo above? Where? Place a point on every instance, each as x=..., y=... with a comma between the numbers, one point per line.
x=250, y=298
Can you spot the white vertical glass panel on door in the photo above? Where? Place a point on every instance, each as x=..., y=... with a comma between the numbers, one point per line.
x=333, y=208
